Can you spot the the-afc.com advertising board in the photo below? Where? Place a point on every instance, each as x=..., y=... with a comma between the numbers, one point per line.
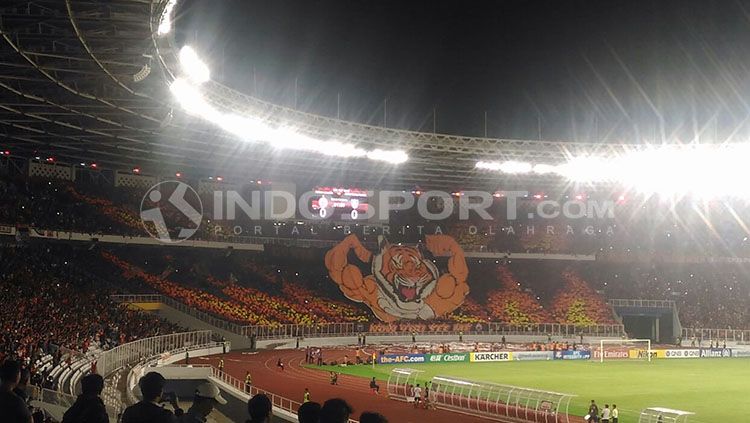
x=423, y=358
x=402, y=358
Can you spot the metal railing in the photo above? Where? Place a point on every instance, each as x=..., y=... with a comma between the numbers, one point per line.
x=290, y=331
x=49, y=396
x=152, y=360
x=618, y=302
x=278, y=401
x=133, y=352
x=731, y=335
x=427, y=328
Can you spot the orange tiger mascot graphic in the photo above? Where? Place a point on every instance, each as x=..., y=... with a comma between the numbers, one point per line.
x=403, y=284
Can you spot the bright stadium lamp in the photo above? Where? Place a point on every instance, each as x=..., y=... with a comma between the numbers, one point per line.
x=165, y=24
x=506, y=167
x=488, y=165
x=544, y=169
x=193, y=66
x=191, y=99
x=516, y=167
x=392, y=157
x=250, y=129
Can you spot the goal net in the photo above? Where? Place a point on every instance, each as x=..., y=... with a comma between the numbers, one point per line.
x=620, y=349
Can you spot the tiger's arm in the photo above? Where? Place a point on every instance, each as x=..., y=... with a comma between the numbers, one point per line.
x=451, y=288
x=356, y=287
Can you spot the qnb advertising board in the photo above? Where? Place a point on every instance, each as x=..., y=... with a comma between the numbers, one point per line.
x=692, y=353
x=481, y=357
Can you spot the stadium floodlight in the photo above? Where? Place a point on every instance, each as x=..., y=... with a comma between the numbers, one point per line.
x=165, y=24
x=544, y=169
x=674, y=170
x=586, y=169
x=488, y=165
x=192, y=100
x=506, y=167
x=193, y=66
x=393, y=157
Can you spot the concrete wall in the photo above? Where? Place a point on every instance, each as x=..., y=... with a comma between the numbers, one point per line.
x=399, y=339
x=175, y=316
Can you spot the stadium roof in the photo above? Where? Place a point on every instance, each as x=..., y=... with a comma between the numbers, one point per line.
x=87, y=81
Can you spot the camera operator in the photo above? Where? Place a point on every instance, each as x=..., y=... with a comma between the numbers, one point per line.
x=150, y=409
x=207, y=395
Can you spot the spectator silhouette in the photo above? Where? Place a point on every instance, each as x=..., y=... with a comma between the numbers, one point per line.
x=14, y=409
x=89, y=407
x=370, y=417
x=259, y=409
x=23, y=382
x=335, y=410
x=207, y=395
x=148, y=410
x=309, y=412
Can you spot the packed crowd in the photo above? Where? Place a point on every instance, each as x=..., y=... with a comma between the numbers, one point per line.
x=242, y=301
x=576, y=303
x=60, y=311
x=637, y=227
x=510, y=304
x=707, y=295
x=264, y=291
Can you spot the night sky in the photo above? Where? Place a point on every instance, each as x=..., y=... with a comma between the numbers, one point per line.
x=609, y=71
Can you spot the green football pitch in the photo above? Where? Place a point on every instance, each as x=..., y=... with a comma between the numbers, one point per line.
x=717, y=390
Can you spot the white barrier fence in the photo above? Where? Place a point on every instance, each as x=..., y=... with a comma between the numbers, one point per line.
x=133, y=352
x=728, y=335
x=40, y=397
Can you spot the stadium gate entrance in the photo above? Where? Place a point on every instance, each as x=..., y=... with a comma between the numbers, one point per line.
x=649, y=319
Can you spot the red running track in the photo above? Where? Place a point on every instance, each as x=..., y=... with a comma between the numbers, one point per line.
x=291, y=383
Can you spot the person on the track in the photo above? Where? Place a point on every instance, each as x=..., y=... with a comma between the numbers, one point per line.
x=248, y=382
x=374, y=386
x=306, y=396
x=417, y=396
x=280, y=365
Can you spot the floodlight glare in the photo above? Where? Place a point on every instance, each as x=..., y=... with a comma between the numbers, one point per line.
x=165, y=24
x=193, y=66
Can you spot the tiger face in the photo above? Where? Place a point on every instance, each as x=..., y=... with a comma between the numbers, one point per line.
x=403, y=273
